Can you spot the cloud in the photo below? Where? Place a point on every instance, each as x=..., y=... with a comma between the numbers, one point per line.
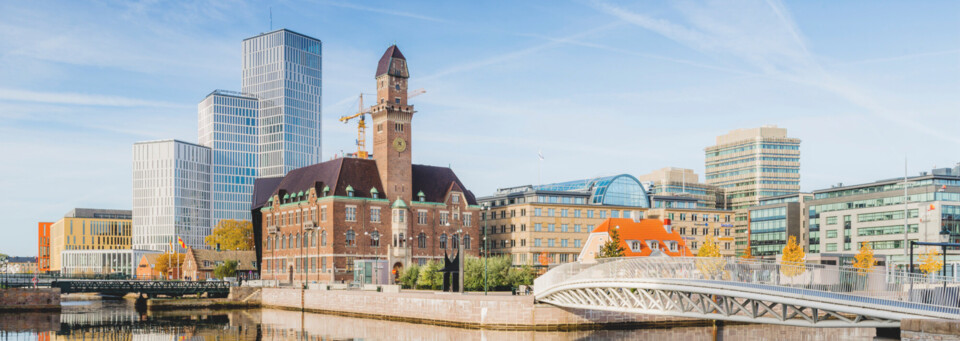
x=82, y=99
x=383, y=11
x=764, y=35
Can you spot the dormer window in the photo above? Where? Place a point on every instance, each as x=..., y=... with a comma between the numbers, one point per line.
x=423, y=197
x=374, y=193
x=455, y=198
x=635, y=245
x=653, y=244
x=326, y=190
x=672, y=246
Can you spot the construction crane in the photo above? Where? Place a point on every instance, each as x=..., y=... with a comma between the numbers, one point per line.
x=362, y=125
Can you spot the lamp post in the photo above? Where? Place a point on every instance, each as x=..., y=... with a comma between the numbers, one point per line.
x=944, y=238
x=486, y=249
x=460, y=260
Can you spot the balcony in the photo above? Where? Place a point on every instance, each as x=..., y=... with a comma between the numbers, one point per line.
x=272, y=229
x=309, y=224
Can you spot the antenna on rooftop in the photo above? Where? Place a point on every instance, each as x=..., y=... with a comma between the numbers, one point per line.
x=271, y=18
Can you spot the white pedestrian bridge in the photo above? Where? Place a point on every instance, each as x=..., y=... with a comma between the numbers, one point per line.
x=736, y=289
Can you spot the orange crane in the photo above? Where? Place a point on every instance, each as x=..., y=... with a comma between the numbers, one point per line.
x=362, y=125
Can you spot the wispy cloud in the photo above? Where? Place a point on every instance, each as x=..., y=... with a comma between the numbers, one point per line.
x=497, y=59
x=764, y=35
x=383, y=11
x=82, y=99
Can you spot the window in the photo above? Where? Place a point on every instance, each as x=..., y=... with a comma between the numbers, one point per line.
x=422, y=240
x=831, y=247
x=422, y=217
x=537, y=242
x=375, y=214
x=614, y=213
x=551, y=227
x=443, y=241
x=467, y=217
x=589, y=213
x=351, y=213
x=444, y=217
x=399, y=216
x=323, y=238
x=831, y=220
x=537, y=227
x=537, y=212
x=576, y=213
x=563, y=212
x=454, y=198
x=576, y=243
x=833, y=233
x=551, y=242
x=323, y=213
x=351, y=239
x=563, y=227
x=551, y=212
x=455, y=242
x=375, y=239
x=466, y=242
x=563, y=243
x=576, y=228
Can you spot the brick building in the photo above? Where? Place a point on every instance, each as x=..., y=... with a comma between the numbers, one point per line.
x=313, y=223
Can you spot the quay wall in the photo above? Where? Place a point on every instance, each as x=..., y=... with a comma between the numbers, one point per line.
x=23, y=299
x=929, y=329
x=504, y=312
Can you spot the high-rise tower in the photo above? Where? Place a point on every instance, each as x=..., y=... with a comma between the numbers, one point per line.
x=750, y=164
x=391, y=121
x=282, y=69
x=228, y=126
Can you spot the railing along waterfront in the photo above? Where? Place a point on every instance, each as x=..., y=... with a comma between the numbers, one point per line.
x=877, y=287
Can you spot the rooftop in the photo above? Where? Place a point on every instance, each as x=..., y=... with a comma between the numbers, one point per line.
x=99, y=213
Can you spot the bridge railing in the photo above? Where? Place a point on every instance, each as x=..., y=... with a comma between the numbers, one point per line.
x=897, y=289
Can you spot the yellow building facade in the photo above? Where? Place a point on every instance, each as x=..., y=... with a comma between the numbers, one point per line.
x=90, y=229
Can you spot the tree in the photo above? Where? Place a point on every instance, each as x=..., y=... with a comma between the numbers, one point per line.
x=708, y=260
x=174, y=261
x=227, y=269
x=792, y=262
x=521, y=276
x=864, y=260
x=409, y=277
x=612, y=248
x=430, y=276
x=747, y=254
x=232, y=235
x=930, y=261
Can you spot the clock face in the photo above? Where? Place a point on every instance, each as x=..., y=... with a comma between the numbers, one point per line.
x=399, y=144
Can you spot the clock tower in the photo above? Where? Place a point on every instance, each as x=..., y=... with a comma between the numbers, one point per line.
x=391, y=126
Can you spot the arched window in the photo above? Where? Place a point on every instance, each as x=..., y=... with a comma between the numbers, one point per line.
x=267, y=244
x=455, y=239
x=323, y=238
x=422, y=240
x=443, y=241
x=375, y=239
x=276, y=243
x=313, y=238
x=466, y=242
x=296, y=241
x=351, y=239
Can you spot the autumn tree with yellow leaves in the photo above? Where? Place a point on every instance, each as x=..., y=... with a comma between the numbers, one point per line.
x=708, y=260
x=864, y=261
x=172, y=262
x=791, y=264
x=930, y=261
x=232, y=235
x=747, y=254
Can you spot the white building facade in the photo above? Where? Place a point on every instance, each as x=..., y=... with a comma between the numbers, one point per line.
x=171, y=194
x=282, y=69
x=228, y=126
x=101, y=262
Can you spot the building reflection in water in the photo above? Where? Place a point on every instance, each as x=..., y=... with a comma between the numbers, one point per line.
x=118, y=320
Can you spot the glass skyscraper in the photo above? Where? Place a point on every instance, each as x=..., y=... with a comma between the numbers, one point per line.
x=171, y=195
x=282, y=70
x=228, y=126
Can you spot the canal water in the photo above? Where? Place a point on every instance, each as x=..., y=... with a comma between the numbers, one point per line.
x=119, y=320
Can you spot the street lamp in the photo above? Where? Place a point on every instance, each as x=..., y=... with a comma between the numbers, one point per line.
x=460, y=256
x=944, y=238
x=486, y=249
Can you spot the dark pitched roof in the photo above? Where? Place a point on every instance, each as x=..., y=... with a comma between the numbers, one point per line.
x=244, y=259
x=435, y=182
x=263, y=189
x=361, y=174
x=384, y=65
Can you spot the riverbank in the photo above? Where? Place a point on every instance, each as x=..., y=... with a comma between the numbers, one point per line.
x=29, y=300
x=476, y=311
x=240, y=297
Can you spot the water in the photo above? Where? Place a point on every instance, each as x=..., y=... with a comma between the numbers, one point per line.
x=119, y=320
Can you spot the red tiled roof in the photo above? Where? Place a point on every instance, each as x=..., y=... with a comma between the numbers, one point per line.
x=644, y=230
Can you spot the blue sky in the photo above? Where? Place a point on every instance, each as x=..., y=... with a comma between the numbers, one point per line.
x=602, y=87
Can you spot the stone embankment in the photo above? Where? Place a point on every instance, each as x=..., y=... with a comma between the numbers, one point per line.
x=21, y=299
x=497, y=312
x=920, y=329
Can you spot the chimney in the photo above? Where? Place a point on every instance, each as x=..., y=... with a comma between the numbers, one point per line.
x=667, y=225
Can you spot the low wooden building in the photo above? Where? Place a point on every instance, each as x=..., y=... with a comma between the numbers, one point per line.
x=199, y=264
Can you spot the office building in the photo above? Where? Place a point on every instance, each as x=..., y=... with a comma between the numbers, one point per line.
x=171, y=195
x=21, y=265
x=843, y=217
x=548, y=224
x=43, y=246
x=752, y=163
x=318, y=222
x=102, y=262
x=89, y=229
x=682, y=182
x=282, y=70
x=696, y=225
x=228, y=126
x=775, y=220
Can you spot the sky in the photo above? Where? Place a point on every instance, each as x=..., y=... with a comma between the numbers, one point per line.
x=600, y=87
